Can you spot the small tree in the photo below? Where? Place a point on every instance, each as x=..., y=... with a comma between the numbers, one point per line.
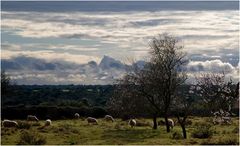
x=168, y=60
x=156, y=83
x=183, y=105
x=218, y=95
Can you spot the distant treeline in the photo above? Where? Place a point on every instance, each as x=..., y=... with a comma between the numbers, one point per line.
x=52, y=112
x=62, y=101
x=61, y=95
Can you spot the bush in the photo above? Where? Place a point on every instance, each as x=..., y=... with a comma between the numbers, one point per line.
x=98, y=112
x=24, y=125
x=202, y=131
x=176, y=135
x=31, y=138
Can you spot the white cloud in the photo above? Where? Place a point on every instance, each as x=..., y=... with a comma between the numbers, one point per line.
x=210, y=66
x=200, y=30
x=211, y=34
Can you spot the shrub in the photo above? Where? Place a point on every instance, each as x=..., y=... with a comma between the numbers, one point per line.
x=202, y=131
x=24, y=125
x=31, y=138
x=176, y=135
x=98, y=112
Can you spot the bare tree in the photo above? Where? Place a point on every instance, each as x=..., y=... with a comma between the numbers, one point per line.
x=167, y=59
x=183, y=105
x=158, y=80
x=217, y=94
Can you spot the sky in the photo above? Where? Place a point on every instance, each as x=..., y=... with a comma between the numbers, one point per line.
x=88, y=42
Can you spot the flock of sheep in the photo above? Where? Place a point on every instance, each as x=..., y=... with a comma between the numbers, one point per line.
x=48, y=122
x=10, y=123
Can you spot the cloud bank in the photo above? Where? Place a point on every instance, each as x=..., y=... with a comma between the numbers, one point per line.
x=77, y=38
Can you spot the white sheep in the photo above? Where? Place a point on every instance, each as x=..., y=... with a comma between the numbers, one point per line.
x=92, y=120
x=9, y=123
x=171, y=123
x=32, y=118
x=48, y=122
x=132, y=122
x=76, y=115
x=109, y=118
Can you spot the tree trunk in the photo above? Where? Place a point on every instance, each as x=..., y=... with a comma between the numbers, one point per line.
x=182, y=124
x=167, y=125
x=184, y=131
x=155, y=122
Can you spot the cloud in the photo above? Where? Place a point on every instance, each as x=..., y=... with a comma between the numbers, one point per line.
x=199, y=29
x=211, y=27
x=30, y=70
x=12, y=47
x=210, y=39
x=210, y=66
x=50, y=56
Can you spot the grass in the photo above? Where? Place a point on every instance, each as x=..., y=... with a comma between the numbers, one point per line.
x=78, y=132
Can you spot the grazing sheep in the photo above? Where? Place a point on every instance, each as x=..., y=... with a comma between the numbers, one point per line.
x=48, y=122
x=109, y=118
x=170, y=122
x=9, y=123
x=92, y=120
x=76, y=115
x=32, y=118
x=132, y=122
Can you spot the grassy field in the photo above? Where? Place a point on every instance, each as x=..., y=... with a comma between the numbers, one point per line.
x=79, y=132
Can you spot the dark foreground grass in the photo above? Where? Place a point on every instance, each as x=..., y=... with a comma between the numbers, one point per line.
x=79, y=132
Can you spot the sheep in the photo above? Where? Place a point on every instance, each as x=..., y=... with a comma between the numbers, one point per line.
x=92, y=120
x=132, y=122
x=76, y=115
x=9, y=123
x=32, y=118
x=48, y=122
x=109, y=118
x=170, y=122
